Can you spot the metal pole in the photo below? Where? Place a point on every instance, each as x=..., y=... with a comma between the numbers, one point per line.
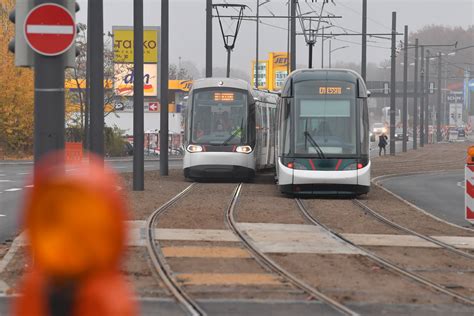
x=208, y=38
x=97, y=78
x=293, y=36
x=363, y=69
x=405, y=92
x=256, y=49
x=310, y=55
x=393, y=85
x=228, y=62
x=49, y=102
x=415, y=99
x=87, y=103
x=322, y=48
x=422, y=97
x=427, y=95
x=164, y=95
x=438, y=112
x=138, y=115
x=330, y=52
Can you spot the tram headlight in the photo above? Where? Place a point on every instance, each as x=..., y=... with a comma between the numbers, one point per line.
x=244, y=149
x=194, y=148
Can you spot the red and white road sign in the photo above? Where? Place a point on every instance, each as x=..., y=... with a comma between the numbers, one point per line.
x=469, y=197
x=153, y=106
x=50, y=29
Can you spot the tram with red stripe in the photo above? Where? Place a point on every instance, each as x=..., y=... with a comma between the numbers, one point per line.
x=322, y=134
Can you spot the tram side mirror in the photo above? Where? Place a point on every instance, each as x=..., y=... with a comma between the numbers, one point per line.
x=255, y=99
x=369, y=94
x=185, y=98
x=362, y=91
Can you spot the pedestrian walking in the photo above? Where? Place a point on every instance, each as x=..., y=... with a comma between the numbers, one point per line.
x=382, y=144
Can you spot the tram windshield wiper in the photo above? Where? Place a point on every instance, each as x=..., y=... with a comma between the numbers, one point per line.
x=314, y=144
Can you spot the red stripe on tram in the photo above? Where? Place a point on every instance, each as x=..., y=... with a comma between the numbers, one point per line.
x=312, y=164
x=338, y=164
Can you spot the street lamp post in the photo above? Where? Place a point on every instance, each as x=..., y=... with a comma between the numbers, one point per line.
x=333, y=50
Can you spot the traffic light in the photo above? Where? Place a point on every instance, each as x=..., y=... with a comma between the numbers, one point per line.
x=23, y=53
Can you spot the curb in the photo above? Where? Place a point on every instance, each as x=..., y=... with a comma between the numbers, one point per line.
x=375, y=181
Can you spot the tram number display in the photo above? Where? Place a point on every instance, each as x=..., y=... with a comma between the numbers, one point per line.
x=224, y=96
x=330, y=90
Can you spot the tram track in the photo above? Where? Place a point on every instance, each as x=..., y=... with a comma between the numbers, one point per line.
x=270, y=264
x=407, y=230
x=384, y=262
x=159, y=261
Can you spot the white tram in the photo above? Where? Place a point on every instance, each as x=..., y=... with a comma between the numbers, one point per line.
x=322, y=137
x=228, y=130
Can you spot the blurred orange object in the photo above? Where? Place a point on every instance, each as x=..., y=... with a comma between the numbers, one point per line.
x=75, y=221
x=74, y=151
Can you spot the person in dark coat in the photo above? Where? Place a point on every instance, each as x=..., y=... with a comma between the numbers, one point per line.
x=382, y=144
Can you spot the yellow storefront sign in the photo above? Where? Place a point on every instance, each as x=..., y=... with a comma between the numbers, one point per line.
x=123, y=45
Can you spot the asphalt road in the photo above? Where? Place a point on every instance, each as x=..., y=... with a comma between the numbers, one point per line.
x=441, y=194
x=14, y=181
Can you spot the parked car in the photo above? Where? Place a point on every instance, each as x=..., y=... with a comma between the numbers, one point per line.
x=399, y=134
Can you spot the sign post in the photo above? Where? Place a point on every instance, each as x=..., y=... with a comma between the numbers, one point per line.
x=50, y=30
x=469, y=182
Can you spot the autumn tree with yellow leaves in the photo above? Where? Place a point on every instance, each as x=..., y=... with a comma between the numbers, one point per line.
x=16, y=94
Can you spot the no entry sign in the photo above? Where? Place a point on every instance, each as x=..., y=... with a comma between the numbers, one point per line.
x=50, y=29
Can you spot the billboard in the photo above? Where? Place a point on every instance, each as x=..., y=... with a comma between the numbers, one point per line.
x=123, y=44
x=278, y=69
x=262, y=74
x=123, y=80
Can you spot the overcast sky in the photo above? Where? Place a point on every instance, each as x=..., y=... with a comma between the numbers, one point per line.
x=187, y=26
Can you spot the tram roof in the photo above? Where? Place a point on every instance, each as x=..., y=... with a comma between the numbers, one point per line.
x=221, y=83
x=324, y=74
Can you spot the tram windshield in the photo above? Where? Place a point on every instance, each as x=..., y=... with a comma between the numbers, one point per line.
x=325, y=118
x=219, y=117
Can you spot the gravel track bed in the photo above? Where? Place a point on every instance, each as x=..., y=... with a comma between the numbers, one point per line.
x=438, y=265
x=405, y=215
x=263, y=203
x=355, y=278
x=342, y=216
x=158, y=190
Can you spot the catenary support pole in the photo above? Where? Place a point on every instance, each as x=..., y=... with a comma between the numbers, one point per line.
x=164, y=95
x=49, y=101
x=427, y=95
x=208, y=38
x=256, y=47
x=438, y=112
x=293, y=35
x=138, y=115
x=405, y=92
x=86, y=142
x=415, y=99
x=363, y=68
x=97, y=78
x=322, y=48
x=422, y=97
x=310, y=55
x=228, y=63
x=393, y=85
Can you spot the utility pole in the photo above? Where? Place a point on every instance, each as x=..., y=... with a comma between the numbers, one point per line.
x=393, y=85
x=438, y=112
x=363, y=68
x=415, y=99
x=293, y=35
x=208, y=38
x=138, y=114
x=88, y=78
x=310, y=55
x=164, y=87
x=329, y=57
x=256, y=48
x=96, y=96
x=405, y=92
x=422, y=97
x=427, y=95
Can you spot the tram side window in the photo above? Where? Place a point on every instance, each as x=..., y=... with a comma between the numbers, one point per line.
x=285, y=127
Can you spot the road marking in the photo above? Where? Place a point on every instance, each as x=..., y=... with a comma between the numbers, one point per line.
x=2, y=215
x=205, y=252
x=29, y=186
x=13, y=189
x=3, y=175
x=120, y=167
x=23, y=173
x=461, y=184
x=5, y=180
x=227, y=279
